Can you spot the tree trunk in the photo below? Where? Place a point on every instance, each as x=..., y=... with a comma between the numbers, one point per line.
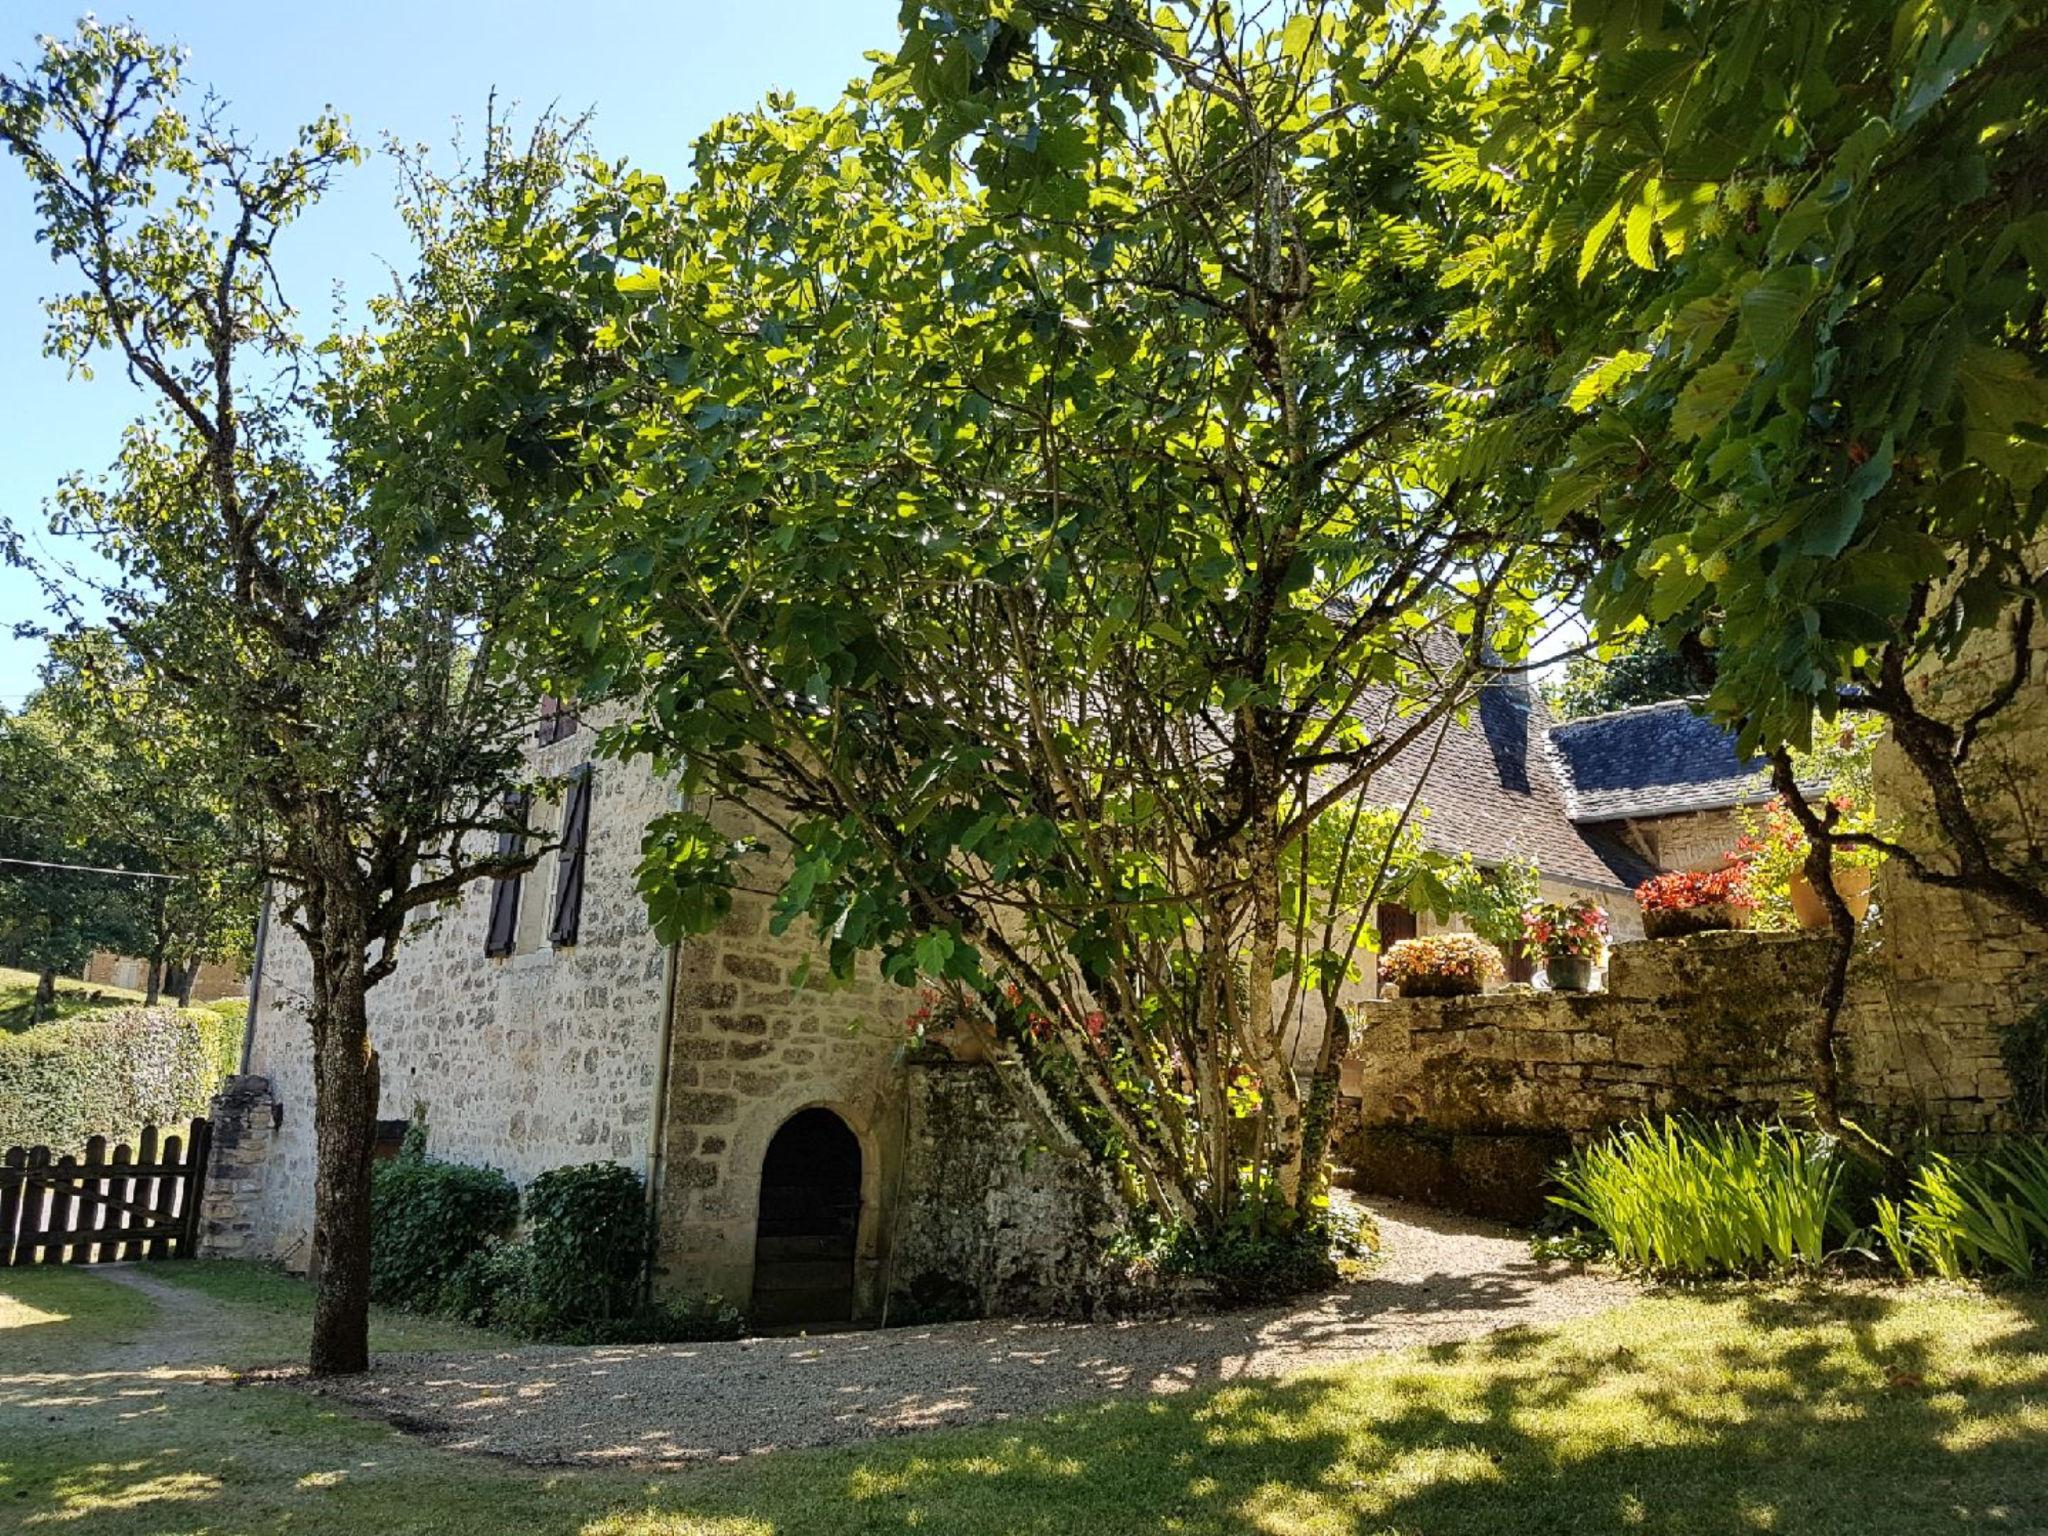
x=1320, y=1114
x=46, y=995
x=1823, y=1045
x=153, y=986
x=188, y=975
x=344, y=1113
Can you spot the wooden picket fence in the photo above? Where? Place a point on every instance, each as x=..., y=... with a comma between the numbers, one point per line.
x=138, y=1203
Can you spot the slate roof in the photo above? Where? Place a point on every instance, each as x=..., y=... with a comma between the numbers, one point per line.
x=1493, y=790
x=1652, y=760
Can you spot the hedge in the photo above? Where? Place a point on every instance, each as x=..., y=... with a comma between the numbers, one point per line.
x=109, y=1073
x=226, y=1036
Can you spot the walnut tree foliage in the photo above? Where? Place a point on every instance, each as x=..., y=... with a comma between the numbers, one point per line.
x=1036, y=486
x=1767, y=306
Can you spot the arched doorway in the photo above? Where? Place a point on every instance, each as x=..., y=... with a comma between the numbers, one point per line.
x=809, y=1223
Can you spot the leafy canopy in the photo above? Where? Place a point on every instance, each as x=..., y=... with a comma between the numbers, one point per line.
x=1042, y=489
x=1770, y=302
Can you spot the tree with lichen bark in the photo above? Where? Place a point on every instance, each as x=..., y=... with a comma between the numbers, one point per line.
x=324, y=609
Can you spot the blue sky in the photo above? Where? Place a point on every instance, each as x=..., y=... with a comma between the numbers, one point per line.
x=656, y=72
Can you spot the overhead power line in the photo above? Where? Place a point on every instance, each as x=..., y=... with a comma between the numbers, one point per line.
x=90, y=869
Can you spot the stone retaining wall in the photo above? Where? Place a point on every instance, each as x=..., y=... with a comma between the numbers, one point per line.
x=1467, y=1101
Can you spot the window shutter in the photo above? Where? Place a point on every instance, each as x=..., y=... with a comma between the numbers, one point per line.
x=503, y=932
x=569, y=877
x=558, y=721
x=1395, y=923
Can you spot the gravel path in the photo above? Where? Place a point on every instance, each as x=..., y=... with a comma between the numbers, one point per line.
x=1443, y=1278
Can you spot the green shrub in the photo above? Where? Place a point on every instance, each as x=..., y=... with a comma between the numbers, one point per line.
x=488, y=1288
x=2023, y=1045
x=1247, y=1266
x=222, y=1025
x=591, y=1240
x=107, y=1073
x=1692, y=1198
x=440, y=1243
x=1987, y=1214
x=428, y=1220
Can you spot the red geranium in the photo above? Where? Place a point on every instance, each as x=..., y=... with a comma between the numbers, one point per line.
x=1685, y=889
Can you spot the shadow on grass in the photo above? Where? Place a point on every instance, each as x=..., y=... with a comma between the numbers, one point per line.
x=1810, y=1411
x=669, y=1404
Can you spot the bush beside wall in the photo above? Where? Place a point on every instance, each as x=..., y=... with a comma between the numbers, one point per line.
x=109, y=1074
x=440, y=1242
x=226, y=1035
x=426, y=1221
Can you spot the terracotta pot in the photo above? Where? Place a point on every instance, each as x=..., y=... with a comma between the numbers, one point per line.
x=1569, y=973
x=1442, y=986
x=1676, y=922
x=1812, y=912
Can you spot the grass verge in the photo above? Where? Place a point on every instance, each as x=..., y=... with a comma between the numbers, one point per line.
x=1818, y=1410
x=18, y=996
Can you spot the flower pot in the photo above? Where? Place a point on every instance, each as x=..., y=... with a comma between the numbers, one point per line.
x=1442, y=986
x=1569, y=973
x=1676, y=922
x=1812, y=912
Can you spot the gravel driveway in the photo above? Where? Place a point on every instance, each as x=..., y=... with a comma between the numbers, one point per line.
x=1442, y=1278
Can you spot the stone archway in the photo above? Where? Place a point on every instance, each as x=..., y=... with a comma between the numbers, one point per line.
x=807, y=1235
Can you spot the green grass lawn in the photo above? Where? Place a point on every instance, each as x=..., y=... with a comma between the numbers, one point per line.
x=18, y=995
x=1874, y=1411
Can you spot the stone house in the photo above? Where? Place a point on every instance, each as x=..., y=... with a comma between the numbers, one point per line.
x=1467, y=1101
x=802, y=1159
x=214, y=981
x=1598, y=804
x=1661, y=779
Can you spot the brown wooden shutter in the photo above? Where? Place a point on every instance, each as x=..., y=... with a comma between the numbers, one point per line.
x=1395, y=923
x=569, y=877
x=502, y=936
x=558, y=721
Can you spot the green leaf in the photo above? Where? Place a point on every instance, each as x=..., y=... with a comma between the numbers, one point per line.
x=1604, y=376
x=932, y=952
x=1641, y=227
x=1709, y=395
x=1596, y=238
x=1774, y=306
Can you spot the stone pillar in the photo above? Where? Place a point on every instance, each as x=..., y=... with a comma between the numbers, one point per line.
x=244, y=1126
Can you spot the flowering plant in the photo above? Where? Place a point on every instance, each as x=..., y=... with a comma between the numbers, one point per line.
x=1686, y=890
x=1696, y=900
x=1559, y=930
x=1441, y=965
x=1773, y=846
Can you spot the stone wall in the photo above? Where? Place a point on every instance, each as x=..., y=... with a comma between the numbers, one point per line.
x=216, y=980
x=1692, y=840
x=1001, y=1213
x=1955, y=969
x=1467, y=1101
x=544, y=1057
x=753, y=1043
x=231, y=1212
